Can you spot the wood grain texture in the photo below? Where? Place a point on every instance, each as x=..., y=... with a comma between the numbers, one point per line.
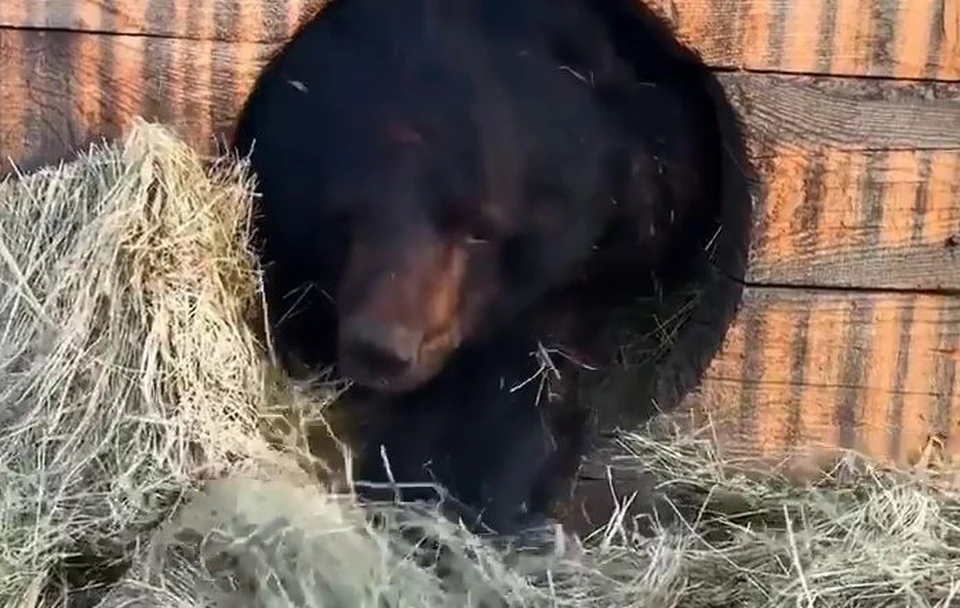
x=222, y=20
x=847, y=114
x=892, y=38
x=804, y=372
x=860, y=175
x=862, y=180
x=859, y=219
x=61, y=90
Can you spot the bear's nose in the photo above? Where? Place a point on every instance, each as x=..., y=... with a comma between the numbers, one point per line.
x=374, y=353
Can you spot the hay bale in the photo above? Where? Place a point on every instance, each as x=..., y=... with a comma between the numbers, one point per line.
x=133, y=398
x=126, y=372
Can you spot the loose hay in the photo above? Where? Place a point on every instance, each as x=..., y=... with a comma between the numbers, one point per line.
x=126, y=371
x=132, y=398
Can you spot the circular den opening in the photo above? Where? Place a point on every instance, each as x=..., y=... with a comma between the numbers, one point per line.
x=655, y=345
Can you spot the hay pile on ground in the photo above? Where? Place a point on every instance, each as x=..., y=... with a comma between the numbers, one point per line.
x=134, y=470
x=126, y=372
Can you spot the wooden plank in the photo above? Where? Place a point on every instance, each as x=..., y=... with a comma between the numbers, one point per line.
x=861, y=176
x=859, y=219
x=805, y=372
x=892, y=38
x=862, y=180
x=803, y=112
x=60, y=90
x=223, y=20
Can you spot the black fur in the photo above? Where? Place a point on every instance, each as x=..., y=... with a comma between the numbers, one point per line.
x=602, y=142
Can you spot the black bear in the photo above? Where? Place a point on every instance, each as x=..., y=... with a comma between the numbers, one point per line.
x=451, y=187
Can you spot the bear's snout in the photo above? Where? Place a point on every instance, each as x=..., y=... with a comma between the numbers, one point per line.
x=375, y=353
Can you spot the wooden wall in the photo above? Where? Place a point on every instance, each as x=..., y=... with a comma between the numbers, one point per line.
x=850, y=330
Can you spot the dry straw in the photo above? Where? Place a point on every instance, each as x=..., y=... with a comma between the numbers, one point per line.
x=134, y=470
x=126, y=372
